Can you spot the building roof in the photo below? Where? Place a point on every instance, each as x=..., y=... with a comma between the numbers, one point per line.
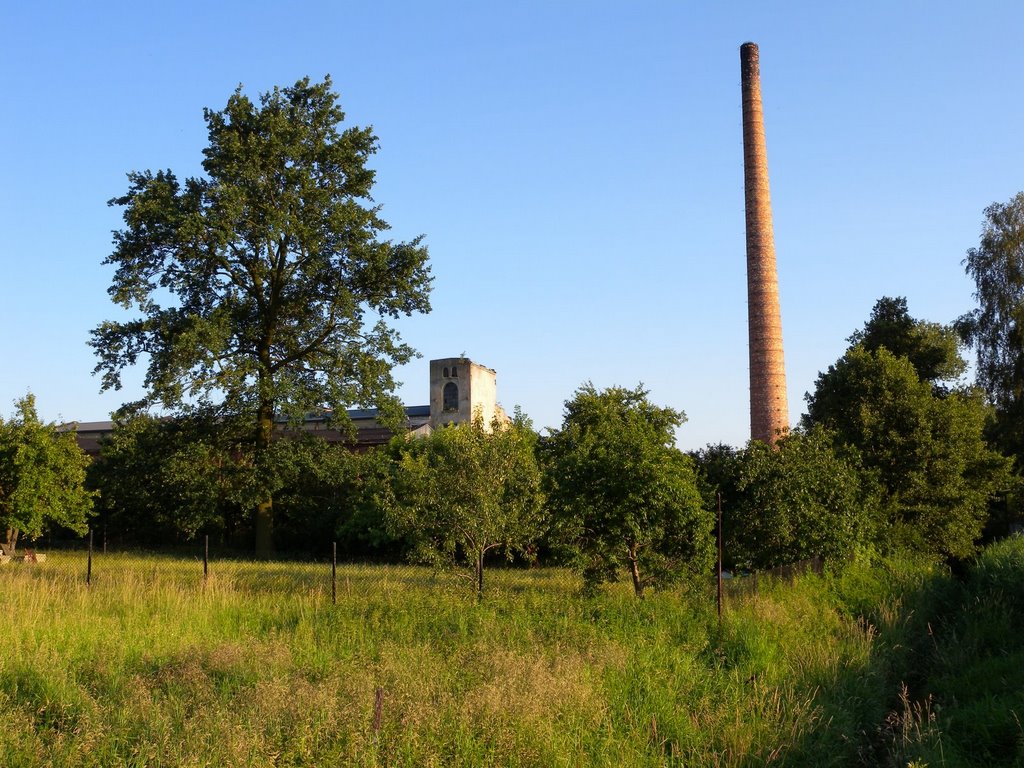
x=365, y=414
x=368, y=432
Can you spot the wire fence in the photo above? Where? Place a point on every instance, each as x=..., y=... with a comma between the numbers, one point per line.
x=323, y=578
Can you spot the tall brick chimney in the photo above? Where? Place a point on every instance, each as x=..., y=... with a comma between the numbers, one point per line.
x=769, y=410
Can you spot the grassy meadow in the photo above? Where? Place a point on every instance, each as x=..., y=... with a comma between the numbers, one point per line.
x=152, y=666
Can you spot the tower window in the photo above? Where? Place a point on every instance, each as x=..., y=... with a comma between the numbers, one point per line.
x=455, y=372
x=450, y=397
x=445, y=373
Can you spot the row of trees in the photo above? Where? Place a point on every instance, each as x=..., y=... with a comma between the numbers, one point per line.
x=892, y=453
x=609, y=492
x=264, y=288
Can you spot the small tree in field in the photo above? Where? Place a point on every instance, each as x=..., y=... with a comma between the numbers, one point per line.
x=800, y=500
x=624, y=497
x=42, y=472
x=466, y=491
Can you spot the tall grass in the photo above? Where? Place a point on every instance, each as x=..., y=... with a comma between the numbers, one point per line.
x=970, y=710
x=255, y=666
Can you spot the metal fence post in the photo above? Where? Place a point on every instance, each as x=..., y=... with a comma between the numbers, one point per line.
x=206, y=556
x=334, y=573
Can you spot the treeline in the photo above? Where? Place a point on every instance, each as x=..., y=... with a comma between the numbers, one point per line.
x=895, y=452
x=608, y=492
x=262, y=289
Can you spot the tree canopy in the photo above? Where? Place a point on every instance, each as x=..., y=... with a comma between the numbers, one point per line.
x=933, y=349
x=42, y=474
x=995, y=329
x=800, y=500
x=624, y=496
x=164, y=481
x=264, y=287
x=937, y=473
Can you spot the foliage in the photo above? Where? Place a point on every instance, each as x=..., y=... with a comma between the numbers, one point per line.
x=936, y=472
x=960, y=644
x=364, y=527
x=623, y=495
x=933, y=349
x=799, y=500
x=978, y=670
x=996, y=328
x=42, y=474
x=333, y=494
x=272, y=269
x=167, y=481
x=164, y=481
x=467, y=490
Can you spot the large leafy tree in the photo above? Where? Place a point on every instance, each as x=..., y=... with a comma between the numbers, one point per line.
x=927, y=449
x=996, y=328
x=42, y=474
x=264, y=287
x=625, y=497
x=469, y=490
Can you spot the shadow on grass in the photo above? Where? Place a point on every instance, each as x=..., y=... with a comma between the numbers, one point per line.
x=943, y=684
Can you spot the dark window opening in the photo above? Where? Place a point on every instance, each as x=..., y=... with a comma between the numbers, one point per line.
x=450, y=397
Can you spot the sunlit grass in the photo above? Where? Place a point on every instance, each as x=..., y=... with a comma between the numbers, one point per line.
x=153, y=664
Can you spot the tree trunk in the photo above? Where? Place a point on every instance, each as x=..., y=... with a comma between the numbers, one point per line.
x=264, y=523
x=12, y=541
x=480, y=575
x=634, y=571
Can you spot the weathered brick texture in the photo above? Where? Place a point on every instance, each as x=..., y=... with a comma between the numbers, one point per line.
x=769, y=410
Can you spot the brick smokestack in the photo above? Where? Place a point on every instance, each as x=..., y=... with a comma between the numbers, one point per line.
x=769, y=410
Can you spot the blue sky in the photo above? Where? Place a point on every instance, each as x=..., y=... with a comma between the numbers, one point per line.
x=575, y=167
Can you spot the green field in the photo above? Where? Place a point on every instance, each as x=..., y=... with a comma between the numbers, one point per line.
x=150, y=665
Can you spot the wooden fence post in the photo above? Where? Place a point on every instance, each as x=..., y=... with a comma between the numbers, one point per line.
x=719, y=560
